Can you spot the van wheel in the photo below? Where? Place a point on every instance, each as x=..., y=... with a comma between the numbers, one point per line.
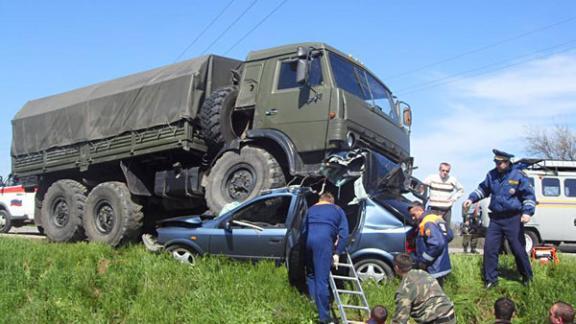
x=62, y=211
x=219, y=122
x=112, y=217
x=373, y=269
x=238, y=177
x=532, y=240
x=5, y=221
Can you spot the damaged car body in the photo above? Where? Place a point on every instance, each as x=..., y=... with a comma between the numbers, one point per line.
x=370, y=190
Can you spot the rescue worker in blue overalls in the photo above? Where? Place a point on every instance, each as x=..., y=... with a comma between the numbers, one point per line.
x=326, y=235
x=432, y=238
x=512, y=205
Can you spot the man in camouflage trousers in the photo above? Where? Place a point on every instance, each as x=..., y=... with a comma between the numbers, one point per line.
x=420, y=296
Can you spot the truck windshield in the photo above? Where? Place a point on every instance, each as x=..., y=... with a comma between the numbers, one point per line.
x=359, y=82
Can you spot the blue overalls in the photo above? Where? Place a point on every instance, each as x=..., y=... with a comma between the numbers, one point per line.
x=432, y=245
x=512, y=196
x=324, y=224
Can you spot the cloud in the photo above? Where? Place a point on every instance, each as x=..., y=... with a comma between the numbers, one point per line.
x=493, y=111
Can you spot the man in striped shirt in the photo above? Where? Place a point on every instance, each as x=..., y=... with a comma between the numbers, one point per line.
x=444, y=191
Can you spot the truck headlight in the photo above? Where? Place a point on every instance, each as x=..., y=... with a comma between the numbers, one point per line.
x=350, y=139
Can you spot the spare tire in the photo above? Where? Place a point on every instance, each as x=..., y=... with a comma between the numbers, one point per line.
x=112, y=217
x=62, y=211
x=218, y=121
x=241, y=176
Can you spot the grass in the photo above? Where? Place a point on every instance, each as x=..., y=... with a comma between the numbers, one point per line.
x=90, y=283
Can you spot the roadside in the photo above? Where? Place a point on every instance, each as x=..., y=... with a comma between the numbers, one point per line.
x=28, y=231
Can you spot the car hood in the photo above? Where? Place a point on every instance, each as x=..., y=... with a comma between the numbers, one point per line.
x=184, y=221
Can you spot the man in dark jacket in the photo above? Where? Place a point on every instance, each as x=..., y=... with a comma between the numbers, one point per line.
x=512, y=204
x=432, y=242
x=326, y=237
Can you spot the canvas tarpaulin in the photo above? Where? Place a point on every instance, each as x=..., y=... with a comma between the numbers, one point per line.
x=157, y=97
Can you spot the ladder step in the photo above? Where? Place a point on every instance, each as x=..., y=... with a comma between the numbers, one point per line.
x=344, y=278
x=348, y=265
x=349, y=292
x=356, y=322
x=356, y=307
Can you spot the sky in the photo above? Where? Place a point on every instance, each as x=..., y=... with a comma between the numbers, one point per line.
x=477, y=74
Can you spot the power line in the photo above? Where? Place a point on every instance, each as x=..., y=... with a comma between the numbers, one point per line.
x=483, y=48
x=452, y=78
x=230, y=26
x=204, y=30
x=256, y=26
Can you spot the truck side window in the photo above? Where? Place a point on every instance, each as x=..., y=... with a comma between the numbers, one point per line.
x=550, y=187
x=570, y=187
x=287, y=78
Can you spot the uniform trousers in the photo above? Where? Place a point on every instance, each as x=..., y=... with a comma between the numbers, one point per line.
x=319, y=248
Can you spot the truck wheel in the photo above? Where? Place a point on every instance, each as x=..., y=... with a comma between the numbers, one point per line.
x=5, y=221
x=219, y=123
x=112, y=217
x=62, y=211
x=237, y=177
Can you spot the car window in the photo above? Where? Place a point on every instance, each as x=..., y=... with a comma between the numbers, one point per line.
x=287, y=78
x=550, y=187
x=570, y=187
x=269, y=212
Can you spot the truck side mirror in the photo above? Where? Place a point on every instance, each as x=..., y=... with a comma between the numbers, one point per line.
x=407, y=116
x=302, y=65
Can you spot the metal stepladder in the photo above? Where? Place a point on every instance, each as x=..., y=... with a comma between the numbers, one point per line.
x=354, y=293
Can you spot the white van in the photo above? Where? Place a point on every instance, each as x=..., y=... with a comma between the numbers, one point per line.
x=554, y=185
x=16, y=205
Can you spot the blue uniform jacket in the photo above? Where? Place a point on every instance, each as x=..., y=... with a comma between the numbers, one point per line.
x=511, y=193
x=432, y=245
x=331, y=215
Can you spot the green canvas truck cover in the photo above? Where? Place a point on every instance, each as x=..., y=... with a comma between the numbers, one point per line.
x=157, y=97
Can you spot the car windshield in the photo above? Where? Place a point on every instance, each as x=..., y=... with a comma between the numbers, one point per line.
x=359, y=82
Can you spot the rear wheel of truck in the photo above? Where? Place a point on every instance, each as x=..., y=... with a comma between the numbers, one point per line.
x=62, y=211
x=220, y=123
x=237, y=177
x=5, y=221
x=112, y=217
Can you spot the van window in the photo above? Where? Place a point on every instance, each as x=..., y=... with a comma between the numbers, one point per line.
x=287, y=77
x=570, y=187
x=550, y=187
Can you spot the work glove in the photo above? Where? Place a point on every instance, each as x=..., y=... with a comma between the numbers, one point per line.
x=335, y=260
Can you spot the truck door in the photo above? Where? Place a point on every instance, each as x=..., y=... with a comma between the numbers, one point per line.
x=299, y=111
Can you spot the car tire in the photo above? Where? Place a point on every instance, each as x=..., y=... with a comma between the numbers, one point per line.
x=532, y=240
x=183, y=253
x=219, y=122
x=5, y=221
x=112, y=217
x=62, y=211
x=373, y=269
x=241, y=176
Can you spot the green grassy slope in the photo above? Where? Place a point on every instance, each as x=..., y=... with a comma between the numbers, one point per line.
x=89, y=283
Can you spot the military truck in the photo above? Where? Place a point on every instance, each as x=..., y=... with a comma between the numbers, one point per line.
x=109, y=159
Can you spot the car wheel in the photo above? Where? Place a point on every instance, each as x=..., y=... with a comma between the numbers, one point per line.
x=62, y=211
x=112, y=217
x=5, y=221
x=532, y=240
x=182, y=254
x=373, y=269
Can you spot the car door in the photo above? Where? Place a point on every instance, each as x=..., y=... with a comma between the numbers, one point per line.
x=255, y=231
x=294, y=248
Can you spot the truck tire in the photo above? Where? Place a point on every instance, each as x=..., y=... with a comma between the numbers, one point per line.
x=62, y=211
x=112, y=217
x=5, y=221
x=237, y=177
x=217, y=119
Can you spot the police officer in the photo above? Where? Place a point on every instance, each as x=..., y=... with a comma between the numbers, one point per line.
x=432, y=242
x=326, y=235
x=512, y=204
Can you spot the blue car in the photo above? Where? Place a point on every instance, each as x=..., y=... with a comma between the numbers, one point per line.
x=268, y=226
